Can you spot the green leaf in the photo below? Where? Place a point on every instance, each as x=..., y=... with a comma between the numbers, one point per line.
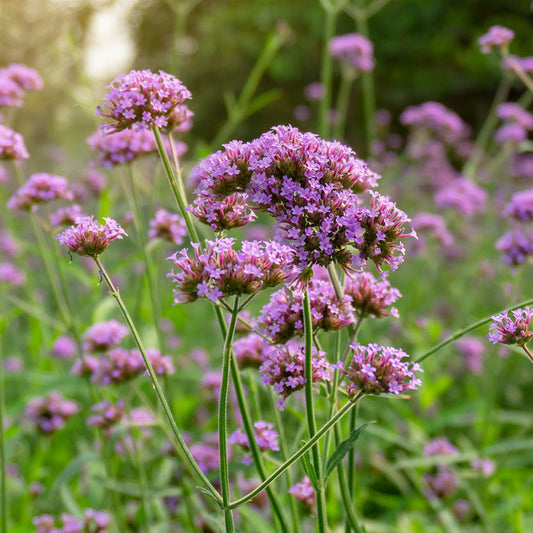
x=308, y=467
x=342, y=449
x=73, y=468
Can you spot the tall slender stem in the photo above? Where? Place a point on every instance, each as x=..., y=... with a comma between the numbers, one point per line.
x=295, y=456
x=3, y=491
x=176, y=189
x=150, y=275
x=191, y=463
x=311, y=423
x=222, y=418
x=459, y=333
x=342, y=106
x=528, y=353
x=326, y=70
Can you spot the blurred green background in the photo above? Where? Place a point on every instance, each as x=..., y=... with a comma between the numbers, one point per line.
x=425, y=50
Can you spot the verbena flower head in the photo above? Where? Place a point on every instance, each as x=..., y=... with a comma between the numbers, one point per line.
x=464, y=196
x=87, y=237
x=64, y=347
x=440, y=446
x=40, y=188
x=513, y=112
x=8, y=245
x=251, y=351
x=266, y=436
x=484, y=465
x=442, y=484
x=93, y=522
x=525, y=63
x=521, y=206
x=510, y=133
x=496, y=37
x=11, y=93
x=282, y=318
x=66, y=216
x=218, y=271
x=142, y=99
x=354, y=50
x=307, y=184
x=167, y=226
x=511, y=327
x=180, y=120
x=10, y=274
x=376, y=369
x=49, y=413
x=383, y=225
x=433, y=225
x=106, y=415
x=371, y=296
x=25, y=77
x=516, y=246
x=437, y=119
x=12, y=145
x=284, y=370
x=314, y=91
x=304, y=492
x=103, y=336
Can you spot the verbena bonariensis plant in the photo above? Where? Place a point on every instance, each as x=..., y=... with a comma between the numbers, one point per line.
x=335, y=240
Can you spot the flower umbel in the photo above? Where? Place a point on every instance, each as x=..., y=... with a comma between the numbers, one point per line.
x=87, y=237
x=512, y=329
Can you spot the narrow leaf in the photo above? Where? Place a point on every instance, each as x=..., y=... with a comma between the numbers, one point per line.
x=342, y=449
x=308, y=467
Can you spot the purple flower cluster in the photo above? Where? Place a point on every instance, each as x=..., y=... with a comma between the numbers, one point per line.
x=283, y=368
x=142, y=99
x=463, y=195
x=473, y=350
x=119, y=365
x=266, y=436
x=376, y=369
x=9, y=273
x=314, y=91
x=307, y=184
x=87, y=237
x=304, y=492
x=441, y=484
x=354, y=51
x=250, y=351
x=25, y=77
x=370, y=296
x=282, y=318
x=66, y=216
x=42, y=187
x=64, y=347
x=12, y=145
x=520, y=207
x=496, y=37
x=49, y=413
x=485, y=466
x=440, y=446
x=218, y=271
x=167, y=226
x=437, y=119
x=8, y=245
x=15, y=80
x=106, y=415
x=516, y=246
x=103, y=336
x=180, y=119
x=433, y=225
x=95, y=180
x=512, y=329
x=93, y=522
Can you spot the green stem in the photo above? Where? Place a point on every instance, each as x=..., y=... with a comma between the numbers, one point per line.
x=342, y=106
x=150, y=275
x=177, y=166
x=222, y=418
x=248, y=427
x=459, y=333
x=176, y=190
x=369, y=96
x=347, y=501
x=326, y=70
x=294, y=457
x=3, y=491
x=157, y=387
x=528, y=353
x=485, y=133
x=311, y=423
